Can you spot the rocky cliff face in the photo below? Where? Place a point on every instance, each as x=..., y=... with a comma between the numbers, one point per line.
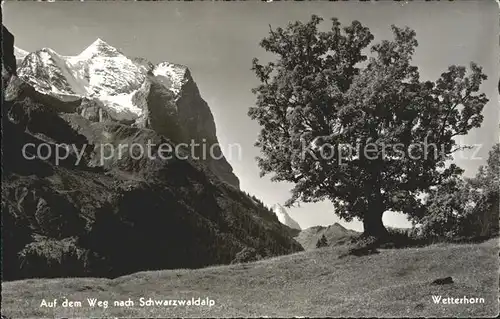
x=106, y=84
x=123, y=214
x=8, y=56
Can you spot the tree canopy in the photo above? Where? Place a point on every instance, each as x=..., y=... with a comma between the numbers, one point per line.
x=349, y=121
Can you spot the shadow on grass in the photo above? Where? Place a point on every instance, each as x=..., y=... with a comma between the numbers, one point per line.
x=362, y=245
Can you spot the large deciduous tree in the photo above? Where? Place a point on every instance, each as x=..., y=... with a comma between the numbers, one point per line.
x=352, y=123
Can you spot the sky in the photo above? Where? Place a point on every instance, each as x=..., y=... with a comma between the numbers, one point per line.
x=217, y=41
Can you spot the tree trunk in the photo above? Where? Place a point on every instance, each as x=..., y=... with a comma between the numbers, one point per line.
x=373, y=225
x=372, y=221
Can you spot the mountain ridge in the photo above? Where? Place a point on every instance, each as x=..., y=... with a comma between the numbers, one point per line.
x=335, y=234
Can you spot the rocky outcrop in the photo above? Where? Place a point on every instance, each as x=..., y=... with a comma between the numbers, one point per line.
x=93, y=110
x=443, y=281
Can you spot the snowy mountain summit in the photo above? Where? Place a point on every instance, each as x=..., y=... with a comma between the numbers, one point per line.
x=20, y=54
x=99, y=72
x=284, y=218
x=102, y=83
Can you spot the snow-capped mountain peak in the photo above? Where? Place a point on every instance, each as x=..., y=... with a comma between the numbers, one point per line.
x=171, y=75
x=100, y=72
x=99, y=42
x=50, y=73
x=284, y=218
x=20, y=53
x=99, y=48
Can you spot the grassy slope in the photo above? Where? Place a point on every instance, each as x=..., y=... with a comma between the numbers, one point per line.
x=313, y=283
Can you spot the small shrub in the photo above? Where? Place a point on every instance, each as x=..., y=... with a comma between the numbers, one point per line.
x=246, y=255
x=322, y=242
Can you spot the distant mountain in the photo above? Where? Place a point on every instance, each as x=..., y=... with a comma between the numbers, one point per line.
x=284, y=218
x=20, y=54
x=335, y=234
x=102, y=83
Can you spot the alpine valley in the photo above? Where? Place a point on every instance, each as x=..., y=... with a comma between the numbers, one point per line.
x=121, y=215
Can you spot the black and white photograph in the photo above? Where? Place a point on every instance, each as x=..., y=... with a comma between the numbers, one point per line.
x=249, y=159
